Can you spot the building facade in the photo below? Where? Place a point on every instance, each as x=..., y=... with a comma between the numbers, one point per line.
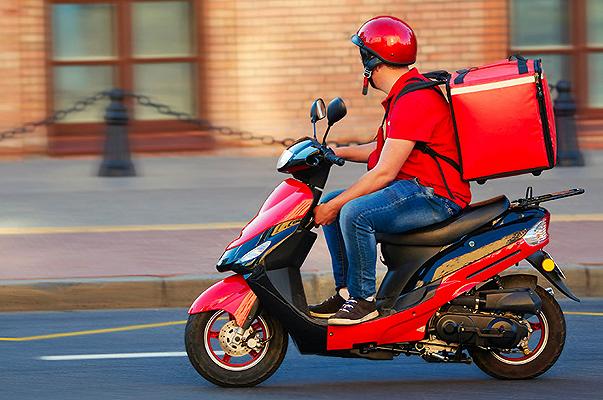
x=257, y=65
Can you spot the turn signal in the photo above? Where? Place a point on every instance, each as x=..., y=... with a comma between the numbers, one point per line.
x=538, y=234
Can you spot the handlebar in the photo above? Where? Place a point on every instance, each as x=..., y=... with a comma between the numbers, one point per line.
x=331, y=157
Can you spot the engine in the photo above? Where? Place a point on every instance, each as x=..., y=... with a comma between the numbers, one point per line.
x=483, y=319
x=480, y=330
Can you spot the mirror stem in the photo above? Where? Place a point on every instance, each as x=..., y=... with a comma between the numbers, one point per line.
x=314, y=126
x=324, y=138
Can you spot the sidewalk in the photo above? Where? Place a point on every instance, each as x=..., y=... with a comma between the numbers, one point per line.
x=72, y=240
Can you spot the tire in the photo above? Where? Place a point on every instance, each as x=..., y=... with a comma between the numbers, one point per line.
x=541, y=358
x=208, y=364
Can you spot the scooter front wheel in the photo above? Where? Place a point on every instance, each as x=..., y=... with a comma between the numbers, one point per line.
x=227, y=355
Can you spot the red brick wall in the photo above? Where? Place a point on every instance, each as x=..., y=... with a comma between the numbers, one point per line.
x=268, y=60
x=22, y=71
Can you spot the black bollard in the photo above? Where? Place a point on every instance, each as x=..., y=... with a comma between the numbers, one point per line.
x=568, y=152
x=116, y=156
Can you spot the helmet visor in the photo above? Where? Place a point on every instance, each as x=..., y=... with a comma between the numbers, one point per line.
x=357, y=41
x=369, y=59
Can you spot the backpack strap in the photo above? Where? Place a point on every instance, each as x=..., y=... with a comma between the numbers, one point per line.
x=419, y=85
x=440, y=78
x=423, y=147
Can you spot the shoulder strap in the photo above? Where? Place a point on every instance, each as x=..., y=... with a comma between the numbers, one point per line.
x=421, y=84
x=436, y=78
x=418, y=84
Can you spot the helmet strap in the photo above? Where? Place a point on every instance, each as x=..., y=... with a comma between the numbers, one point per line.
x=367, y=75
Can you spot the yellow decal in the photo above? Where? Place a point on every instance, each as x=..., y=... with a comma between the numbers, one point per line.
x=300, y=210
x=284, y=226
x=463, y=260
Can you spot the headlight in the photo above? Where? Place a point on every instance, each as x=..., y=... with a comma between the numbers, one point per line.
x=255, y=253
x=284, y=159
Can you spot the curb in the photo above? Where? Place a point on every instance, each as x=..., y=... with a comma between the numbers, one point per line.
x=181, y=291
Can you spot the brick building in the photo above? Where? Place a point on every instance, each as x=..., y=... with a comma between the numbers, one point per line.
x=258, y=64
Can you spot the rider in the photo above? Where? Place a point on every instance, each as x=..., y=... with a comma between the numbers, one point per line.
x=405, y=187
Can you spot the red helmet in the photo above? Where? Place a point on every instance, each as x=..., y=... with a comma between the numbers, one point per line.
x=387, y=40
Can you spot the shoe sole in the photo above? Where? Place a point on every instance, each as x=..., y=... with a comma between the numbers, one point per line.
x=324, y=316
x=344, y=321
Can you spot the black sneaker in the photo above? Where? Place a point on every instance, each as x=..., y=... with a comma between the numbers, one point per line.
x=328, y=307
x=355, y=311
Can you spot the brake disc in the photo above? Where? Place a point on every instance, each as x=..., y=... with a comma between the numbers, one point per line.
x=232, y=341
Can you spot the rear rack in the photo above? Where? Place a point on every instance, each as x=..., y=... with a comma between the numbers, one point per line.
x=530, y=200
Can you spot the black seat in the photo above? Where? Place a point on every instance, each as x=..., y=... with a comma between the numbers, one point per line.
x=446, y=232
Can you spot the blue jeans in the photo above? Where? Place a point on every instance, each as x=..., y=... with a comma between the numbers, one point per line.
x=401, y=206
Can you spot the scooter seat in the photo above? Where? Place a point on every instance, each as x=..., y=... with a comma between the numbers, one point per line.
x=441, y=234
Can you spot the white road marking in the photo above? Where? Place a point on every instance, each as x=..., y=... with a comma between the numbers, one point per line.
x=116, y=356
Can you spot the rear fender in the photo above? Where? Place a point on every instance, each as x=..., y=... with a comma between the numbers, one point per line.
x=232, y=295
x=555, y=276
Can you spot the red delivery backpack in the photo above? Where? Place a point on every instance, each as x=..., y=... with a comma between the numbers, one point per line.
x=503, y=118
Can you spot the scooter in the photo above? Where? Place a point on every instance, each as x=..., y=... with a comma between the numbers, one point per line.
x=444, y=297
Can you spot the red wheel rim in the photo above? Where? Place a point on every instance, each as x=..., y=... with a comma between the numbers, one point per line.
x=540, y=326
x=217, y=352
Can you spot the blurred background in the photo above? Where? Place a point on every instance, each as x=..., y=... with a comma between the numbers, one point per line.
x=256, y=65
x=71, y=240
x=247, y=65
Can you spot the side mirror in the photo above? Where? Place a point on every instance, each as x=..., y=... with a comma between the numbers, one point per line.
x=318, y=110
x=336, y=110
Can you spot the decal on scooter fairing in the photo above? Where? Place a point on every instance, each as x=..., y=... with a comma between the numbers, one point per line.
x=284, y=225
x=457, y=263
x=290, y=200
x=471, y=249
x=299, y=211
x=231, y=294
x=230, y=258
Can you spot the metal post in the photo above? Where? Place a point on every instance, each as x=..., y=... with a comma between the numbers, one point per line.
x=116, y=156
x=568, y=152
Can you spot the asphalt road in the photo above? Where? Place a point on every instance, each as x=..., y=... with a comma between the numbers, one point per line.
x=25, y=375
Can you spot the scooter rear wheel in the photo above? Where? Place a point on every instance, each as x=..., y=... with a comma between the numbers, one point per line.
x=544, y=347
x=225, y=355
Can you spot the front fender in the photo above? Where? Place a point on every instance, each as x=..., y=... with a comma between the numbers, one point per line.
x=232, y=294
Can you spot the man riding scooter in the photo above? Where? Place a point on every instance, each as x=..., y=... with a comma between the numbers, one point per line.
x=444, y=297
x=406, y=187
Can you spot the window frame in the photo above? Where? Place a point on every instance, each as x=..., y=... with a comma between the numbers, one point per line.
x=578, y=51
x=124, y=62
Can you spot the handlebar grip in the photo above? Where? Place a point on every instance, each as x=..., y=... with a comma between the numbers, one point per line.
x=334, y=159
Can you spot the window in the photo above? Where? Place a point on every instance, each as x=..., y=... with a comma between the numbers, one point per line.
x=568, y=36
x=145, y=46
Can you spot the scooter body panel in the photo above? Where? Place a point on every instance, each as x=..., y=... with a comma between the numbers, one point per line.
x=232, y=294
x=409, y=325
x=288, y=203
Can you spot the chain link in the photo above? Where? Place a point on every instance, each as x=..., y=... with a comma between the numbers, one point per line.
x=59, y=115
x=223, y=130
x=164, y=109
x=160, y=108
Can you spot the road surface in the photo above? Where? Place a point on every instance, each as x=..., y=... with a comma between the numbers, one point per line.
x=37, y=361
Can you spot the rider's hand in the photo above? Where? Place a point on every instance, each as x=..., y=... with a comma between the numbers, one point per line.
x=325, y=214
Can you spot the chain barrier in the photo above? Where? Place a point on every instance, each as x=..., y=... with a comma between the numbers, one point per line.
x=164, y=109
x=59, y=115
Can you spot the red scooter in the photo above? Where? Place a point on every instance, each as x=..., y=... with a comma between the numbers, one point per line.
x=443, y=298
